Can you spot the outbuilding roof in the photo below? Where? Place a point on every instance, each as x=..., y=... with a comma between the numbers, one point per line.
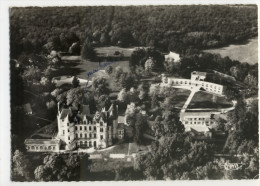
x=42, y=141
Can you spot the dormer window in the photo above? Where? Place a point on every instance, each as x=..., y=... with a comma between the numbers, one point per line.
x=101, y=123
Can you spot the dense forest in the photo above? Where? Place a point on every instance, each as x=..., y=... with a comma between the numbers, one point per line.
x=174, y=28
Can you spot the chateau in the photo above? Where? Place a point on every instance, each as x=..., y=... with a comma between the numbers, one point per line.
x=82, y=129
x=196, y=81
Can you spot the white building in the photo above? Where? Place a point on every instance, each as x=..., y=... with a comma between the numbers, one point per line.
x=172, y=57
x=199, y=122
x=42, y=145
x=196, y=81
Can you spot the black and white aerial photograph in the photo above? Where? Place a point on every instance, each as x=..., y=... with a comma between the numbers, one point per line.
x=133, y=93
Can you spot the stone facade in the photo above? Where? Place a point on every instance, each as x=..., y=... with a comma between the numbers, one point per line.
x=85, y=131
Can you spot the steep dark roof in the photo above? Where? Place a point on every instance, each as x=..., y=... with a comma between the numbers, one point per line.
x=104, y=116
x=64, y=113
x=84, y=110
x=120, y=126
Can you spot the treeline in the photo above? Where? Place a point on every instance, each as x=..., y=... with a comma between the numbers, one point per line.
x=166, y=27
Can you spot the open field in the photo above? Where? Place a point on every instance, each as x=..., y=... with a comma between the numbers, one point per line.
x=243, y=52
x=111, y=50
x=206, y=100
x=74, y=66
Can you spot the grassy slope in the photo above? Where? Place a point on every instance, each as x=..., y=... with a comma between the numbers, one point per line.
x=205, y=100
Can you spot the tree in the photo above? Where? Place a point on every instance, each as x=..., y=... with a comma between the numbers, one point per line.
x=122, y=95
x=61, y=168
x=88, y=52
x=100, y=86
x=32, y=73
x=103, y=102
x=127, y=81
x=109, y=70
x=20, y=166
x=140, y=124
x=149, y=65
x=75, y=82
x=127, y=174
x=74, y=97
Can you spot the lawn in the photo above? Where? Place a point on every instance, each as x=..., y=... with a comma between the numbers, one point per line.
x=206, y=100
x=179, y=95
x=46, y=132
x=111, y=164
x=73, y=65
x=134, y=148
x=117, y=149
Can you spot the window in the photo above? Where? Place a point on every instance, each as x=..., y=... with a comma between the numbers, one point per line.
x=86, y=136
x=95, y=143
x=80, y=128
x=28, y=147
x=195, y=118
x=90, y=144
x=84, y=122
x=90, y=135
x=68, y=124
x=68, y=138
x=101, y=136
x=63, y=132
x=85, y=128
x=76, y=135
x=41, y=147
x=101, y=129
x=80, y=135
x=95, y=136
x=206, y=85
x=89, y=128
x=95, y=128
x=181, y=82
x=53, y=147
x=186, y=122
x=176, y=82
x=68, y=130
x=32, y=147
x=36, y=148
x=185, y=82
x=49, y=147
x=63, y=120
x=195, y=122
x=76, y=127
x=45, y=148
